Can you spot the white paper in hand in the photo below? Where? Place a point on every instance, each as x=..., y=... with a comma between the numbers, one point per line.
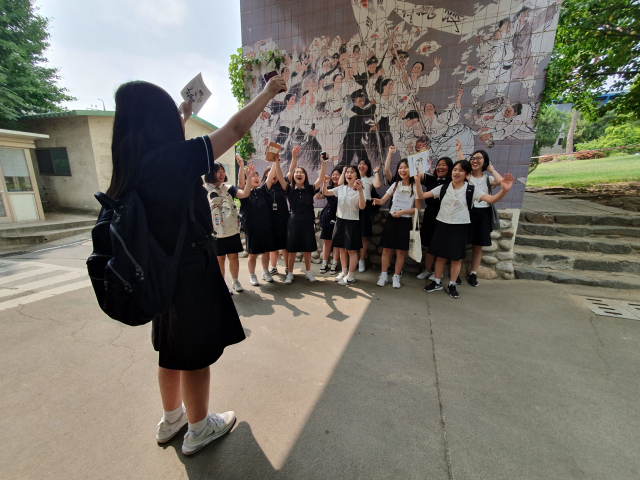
x=198, y=91
x=419, y=161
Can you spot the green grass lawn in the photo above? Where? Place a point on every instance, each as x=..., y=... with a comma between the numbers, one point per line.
x=586, y=172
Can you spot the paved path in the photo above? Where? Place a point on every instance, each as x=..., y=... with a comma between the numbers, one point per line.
x=537, y=202
x=516, y=380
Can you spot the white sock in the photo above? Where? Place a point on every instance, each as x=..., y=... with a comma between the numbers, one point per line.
x=437, y=280
x=265, y=270
x=351, y=275
x=345, y=272
x=198, y=426
x=174, y=415
x=234, y=279
x=474, y=273
x=452, y=283
x=384, y=274
x=308, y=271
x=395, y=275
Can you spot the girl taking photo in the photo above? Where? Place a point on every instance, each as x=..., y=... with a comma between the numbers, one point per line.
x=397, y=227
x=347, y=232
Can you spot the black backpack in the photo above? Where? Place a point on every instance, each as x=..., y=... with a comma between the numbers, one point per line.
x=133, y=278
x=469, y=192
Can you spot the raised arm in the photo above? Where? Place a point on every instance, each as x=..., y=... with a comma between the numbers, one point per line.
x=497, y=178
x=362, y=203
x=247, y=188
x=276, y=165
x=320, y=179
x=231, y=132
x=325, y=191
x=376, y=178
x=294, y=163
x=420, y=195
x=506, y=184
x=241, y=176
x=387, y=164
x=341, y=181
x=459, y=150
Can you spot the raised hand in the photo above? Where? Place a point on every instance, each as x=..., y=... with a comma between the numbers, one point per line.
x=327, y=178
x=276, y=84
x=187, y=108
x=239, y=160
x=418, y=177
x=392, y=149
x=357, y=185
x=376, y=170
x=436, y=62
x=295, y=151
x=507, y=182
x=458, y=145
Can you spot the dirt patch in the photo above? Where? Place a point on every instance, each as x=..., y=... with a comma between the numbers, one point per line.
x=621, y=195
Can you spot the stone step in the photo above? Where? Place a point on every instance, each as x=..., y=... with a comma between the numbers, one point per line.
x=567, y=261
x=578, y=244
x=42, y=237
x=597, y=231
x=46, y=227
x=631, y=220
x=625, y=281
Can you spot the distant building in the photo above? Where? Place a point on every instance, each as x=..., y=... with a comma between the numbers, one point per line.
x=74, y=161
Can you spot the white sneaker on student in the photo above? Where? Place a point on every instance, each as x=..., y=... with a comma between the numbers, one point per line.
x=253, y=280
x=217, y=426
x=236, y=286
x=289, y=278
x=340, y=276
x=166, y=430
x=396, y=281
x=266, y=276
x=424, y=274
x=361, y=266
x=347, y=280
x=273, y=271
x=309, y=277
x=383, y=279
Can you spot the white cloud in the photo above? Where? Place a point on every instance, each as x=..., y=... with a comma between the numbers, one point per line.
x=164, y=13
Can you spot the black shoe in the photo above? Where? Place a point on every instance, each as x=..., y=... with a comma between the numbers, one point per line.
x=473, y=280
x=334, y=267
x=323, y=268
x=458, y=281
x=433, y=287
x=453, y=293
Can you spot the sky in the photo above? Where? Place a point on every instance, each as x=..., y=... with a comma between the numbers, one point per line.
x=99, y=44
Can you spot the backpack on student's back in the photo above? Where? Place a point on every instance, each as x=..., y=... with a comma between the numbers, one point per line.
x=133, y=279
x=469, y=193
x=224, y=213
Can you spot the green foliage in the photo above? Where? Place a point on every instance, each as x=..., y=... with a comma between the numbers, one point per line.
x=587, y=130
x=586, y=172
x=240, y=69
x=548, y=127
x=597, y=46
x=25, y=85
x=616, y=136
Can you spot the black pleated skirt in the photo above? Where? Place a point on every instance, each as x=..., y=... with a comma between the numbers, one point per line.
x=396, y=233
x=259, y=240
x=301, y=236
x=228, y=245
x=449, y=241
x=279, y=223
x=326, y=233
x=203, y=320
x=428, y=225
x=366, y=226
x=480, y=231
x=347, y=234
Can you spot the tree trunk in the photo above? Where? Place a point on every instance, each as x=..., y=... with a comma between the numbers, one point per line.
x=572, y=129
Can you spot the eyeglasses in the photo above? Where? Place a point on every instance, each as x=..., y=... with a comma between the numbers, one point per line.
x=478, y=158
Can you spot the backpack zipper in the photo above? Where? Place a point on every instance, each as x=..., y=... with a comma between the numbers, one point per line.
x=127, y=285
x=139, y=271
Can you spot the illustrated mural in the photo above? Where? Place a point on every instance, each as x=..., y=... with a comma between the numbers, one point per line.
x=366, y=74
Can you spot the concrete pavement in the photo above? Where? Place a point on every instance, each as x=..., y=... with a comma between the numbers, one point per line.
x=515, y=380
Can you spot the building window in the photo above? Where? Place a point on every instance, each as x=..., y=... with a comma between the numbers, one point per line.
x=53, y=161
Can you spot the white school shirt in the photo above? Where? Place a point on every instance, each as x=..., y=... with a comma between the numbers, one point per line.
x=348, y=202
x=453, y=207
x=367, y=185
x=481, y=185
x=402, y=198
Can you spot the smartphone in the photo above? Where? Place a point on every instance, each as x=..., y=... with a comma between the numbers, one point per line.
x=324, y=156
x=269, y=76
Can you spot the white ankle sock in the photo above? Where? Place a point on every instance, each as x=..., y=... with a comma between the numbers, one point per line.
x=266, y=270
x=198, y=426
x=174, y=415
x=345, y=272
x=308, y=271
x=474, y=273
x=385, y=274
x=452, y=283
x=437, y=280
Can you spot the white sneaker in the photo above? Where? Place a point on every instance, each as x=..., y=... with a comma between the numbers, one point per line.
x=217, y=426
x=340, y=276
x=361, y=266
x=309, y=277
x=230, y=291
x=266, y=276
x=273, y=270
x=424, y=274
x=396, y=281
x=289, y=278
x=382, y=280
x=347, y=280
x=236, y=286
x=253, y=280
x=166, y=430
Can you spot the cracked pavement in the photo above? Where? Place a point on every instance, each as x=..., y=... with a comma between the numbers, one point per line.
x=516, y=380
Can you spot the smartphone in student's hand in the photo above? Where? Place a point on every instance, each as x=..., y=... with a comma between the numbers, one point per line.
x=269, y=76
x=324, y=156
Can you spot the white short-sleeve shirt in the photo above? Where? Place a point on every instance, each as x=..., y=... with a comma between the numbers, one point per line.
x=348, y=202
x=453, y=207
x=403, y=197
x=481, y=185
x=367, y=185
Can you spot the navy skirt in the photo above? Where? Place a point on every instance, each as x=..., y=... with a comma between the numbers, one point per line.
x=396, y=233
x=480, y=231
x=301, y=235
x=449, y=241
x=228, y=245
x=347, y=234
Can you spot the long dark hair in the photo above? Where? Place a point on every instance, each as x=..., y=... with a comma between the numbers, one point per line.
x=335, y=169
x=449, y=163
x=485, y=155
x=396, y=179
x=265, y=175
x=146, y=118
x=306, y=178
x=210, y=177
x=368, y=164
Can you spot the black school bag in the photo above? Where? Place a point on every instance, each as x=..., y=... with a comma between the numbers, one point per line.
x=133, y=278
x=469, y=193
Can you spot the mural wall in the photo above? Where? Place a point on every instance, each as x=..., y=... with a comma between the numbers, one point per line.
x=366, y=74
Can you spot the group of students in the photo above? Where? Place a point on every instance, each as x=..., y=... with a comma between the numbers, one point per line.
x=278, y=213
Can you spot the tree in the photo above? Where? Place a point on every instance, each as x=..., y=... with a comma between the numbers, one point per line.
x=618, y=135
x=26, y=86
x=597, y=48
x=586, y=130
x=548, y=128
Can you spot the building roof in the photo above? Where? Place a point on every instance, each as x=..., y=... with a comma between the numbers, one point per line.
x=26, y=135
x=98, y=113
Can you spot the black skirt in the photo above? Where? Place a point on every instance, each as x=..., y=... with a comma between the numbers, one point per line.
x=259, y=240
x=301, y=236
x=366, y=227
x=428, y=225
x=202, y=320
x=347, y=234
x=449, y=241
x=228, y=245
x=326, y=233
x=396, y=233
x=279, y=223
x=480, y=231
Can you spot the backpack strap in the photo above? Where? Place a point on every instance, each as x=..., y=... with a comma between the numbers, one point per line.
x=470, y=191
x=489, y=188
x=443, y=189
